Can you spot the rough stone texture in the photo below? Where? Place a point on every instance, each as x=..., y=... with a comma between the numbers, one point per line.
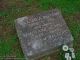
x=41, y=33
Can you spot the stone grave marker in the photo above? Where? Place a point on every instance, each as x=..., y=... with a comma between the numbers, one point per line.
x=42, y=33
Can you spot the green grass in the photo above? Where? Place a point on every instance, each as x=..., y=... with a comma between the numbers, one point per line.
x=9, y=44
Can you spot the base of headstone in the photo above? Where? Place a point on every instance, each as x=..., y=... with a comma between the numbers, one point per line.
x=42, y=33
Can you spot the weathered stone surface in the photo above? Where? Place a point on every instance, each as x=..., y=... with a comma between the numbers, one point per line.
x=41, y=33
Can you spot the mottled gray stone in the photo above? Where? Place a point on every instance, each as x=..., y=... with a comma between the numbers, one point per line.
x=41, y=33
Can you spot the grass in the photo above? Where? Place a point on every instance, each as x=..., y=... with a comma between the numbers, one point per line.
x=13, y=9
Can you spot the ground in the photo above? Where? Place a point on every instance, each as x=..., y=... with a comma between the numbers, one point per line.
x=13, y=9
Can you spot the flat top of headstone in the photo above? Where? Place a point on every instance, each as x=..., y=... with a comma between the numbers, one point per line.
x=42, y=32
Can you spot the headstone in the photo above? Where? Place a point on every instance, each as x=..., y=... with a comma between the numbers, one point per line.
x=42, y=33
